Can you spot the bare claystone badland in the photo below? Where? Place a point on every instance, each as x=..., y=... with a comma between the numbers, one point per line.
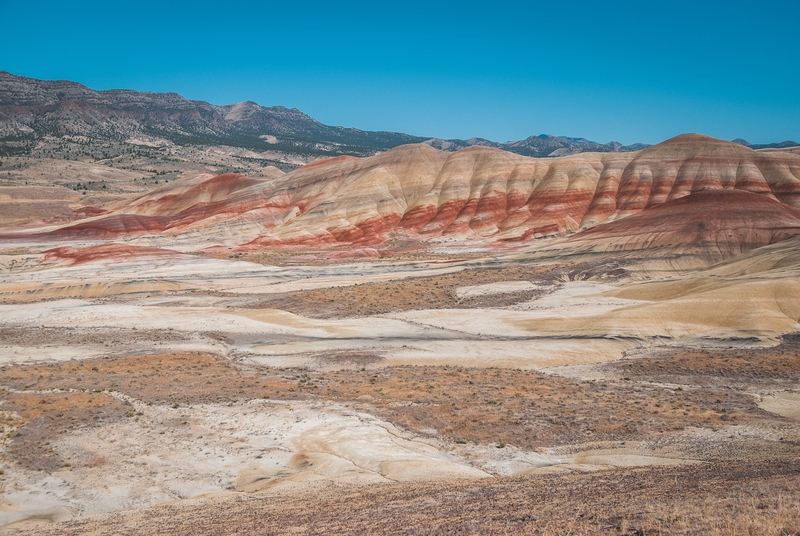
x=207, y=336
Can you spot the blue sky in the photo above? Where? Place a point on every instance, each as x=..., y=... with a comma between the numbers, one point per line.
x=622, y=70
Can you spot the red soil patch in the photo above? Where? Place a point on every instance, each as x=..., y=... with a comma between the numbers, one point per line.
x=76, y=214
x=82, y=255
x=88, y=212
x=214, y=192
x=112, y=227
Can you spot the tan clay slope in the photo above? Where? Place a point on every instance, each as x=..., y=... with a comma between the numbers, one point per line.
x=756, y=294
x=769, y=263
x=752, y=296
x=477, y=192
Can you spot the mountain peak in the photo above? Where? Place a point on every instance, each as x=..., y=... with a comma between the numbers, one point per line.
x=30, y=107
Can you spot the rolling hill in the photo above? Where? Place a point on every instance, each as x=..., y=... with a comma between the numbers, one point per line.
x=691, y=190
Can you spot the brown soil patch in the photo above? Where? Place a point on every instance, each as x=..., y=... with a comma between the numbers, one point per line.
x=60, y=336
x=439, y=292
x=778, y=366
x=43, y=417
x=349, y=358
x=15, y=251
x=175, y=379
x=182, y=378
x=520, y=408
x=713, y=499
x=529, y=409
x=433, y=292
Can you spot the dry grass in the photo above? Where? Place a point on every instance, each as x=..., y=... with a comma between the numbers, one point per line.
x=183, y=378
x=717, y=366
x=750, y=486
x=521, y=408
x=529, y=409
x=433, y=292
x=714, y=499
x=39, y=420
x=439, y=292
x=67, y=336
x=15, y=251
x=168, y=379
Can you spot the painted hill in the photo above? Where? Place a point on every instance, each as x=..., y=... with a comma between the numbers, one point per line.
x=713, y=224
x=690, y=188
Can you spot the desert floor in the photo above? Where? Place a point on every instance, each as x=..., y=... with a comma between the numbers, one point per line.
x=153, y=391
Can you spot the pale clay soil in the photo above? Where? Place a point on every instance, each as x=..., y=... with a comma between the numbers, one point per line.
x=257, y=317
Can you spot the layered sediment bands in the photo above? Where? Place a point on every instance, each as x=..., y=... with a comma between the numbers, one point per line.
x=717, y=223
x=81, y=255
x=478, y=192
x=216, y=191
x=113, y=226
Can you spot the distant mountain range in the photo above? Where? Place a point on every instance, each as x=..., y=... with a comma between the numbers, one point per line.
x=31, y=109
x=781, y=145
x=539, y=146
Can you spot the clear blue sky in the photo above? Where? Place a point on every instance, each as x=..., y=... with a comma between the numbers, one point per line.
x=623, y=71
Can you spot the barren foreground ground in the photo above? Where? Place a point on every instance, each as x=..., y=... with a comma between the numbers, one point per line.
x=714, y=499
x=147, y=391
